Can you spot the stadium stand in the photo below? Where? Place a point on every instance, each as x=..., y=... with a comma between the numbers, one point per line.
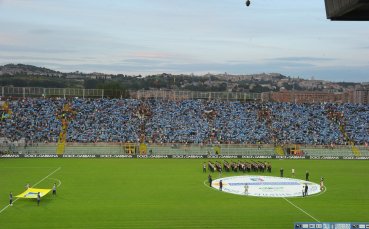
x=37, y=121
x=346, y=151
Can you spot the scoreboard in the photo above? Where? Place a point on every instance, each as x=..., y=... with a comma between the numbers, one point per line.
x=331, y=225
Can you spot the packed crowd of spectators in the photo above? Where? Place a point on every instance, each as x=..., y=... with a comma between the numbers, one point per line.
x=34, y=120
x=188, y=121
x=104, y=120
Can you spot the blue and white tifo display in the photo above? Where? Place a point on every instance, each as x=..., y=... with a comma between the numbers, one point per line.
x=266, y=186
x=337, y=225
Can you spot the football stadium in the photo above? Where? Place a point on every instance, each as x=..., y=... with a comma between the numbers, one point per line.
x=128, y=163
x=184, y=114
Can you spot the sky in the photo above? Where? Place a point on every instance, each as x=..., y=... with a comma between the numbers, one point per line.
x=291, y=37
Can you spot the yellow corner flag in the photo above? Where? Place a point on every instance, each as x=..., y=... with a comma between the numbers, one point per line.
x=32, y=193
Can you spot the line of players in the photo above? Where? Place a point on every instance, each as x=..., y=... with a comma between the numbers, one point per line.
x=241, y=166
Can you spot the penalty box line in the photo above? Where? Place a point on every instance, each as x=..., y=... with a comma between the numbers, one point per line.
x=32, y=186
x=301, y=210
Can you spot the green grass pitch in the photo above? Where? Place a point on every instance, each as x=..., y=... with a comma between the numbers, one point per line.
x=170, y=193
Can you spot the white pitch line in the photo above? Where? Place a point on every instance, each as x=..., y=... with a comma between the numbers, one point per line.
x=32, y=186
x=47, y=176
x=301, y=210
x=325, y=189
x=59, y=182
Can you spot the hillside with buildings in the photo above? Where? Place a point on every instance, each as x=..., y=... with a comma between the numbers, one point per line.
x=273, y=86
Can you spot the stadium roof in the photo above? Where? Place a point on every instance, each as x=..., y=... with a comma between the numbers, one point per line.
x=347, y=10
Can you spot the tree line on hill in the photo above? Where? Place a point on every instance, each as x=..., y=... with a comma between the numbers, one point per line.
x=19, y=75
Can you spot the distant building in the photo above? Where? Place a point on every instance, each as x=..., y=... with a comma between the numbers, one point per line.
x=303, y=97
x=360, y=96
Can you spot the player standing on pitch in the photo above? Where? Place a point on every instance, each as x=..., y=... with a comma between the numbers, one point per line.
x=38, y=199
x=11, y=199
x=303, y=190
x=54, y=189
x=307, y=175
x=321, y=184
